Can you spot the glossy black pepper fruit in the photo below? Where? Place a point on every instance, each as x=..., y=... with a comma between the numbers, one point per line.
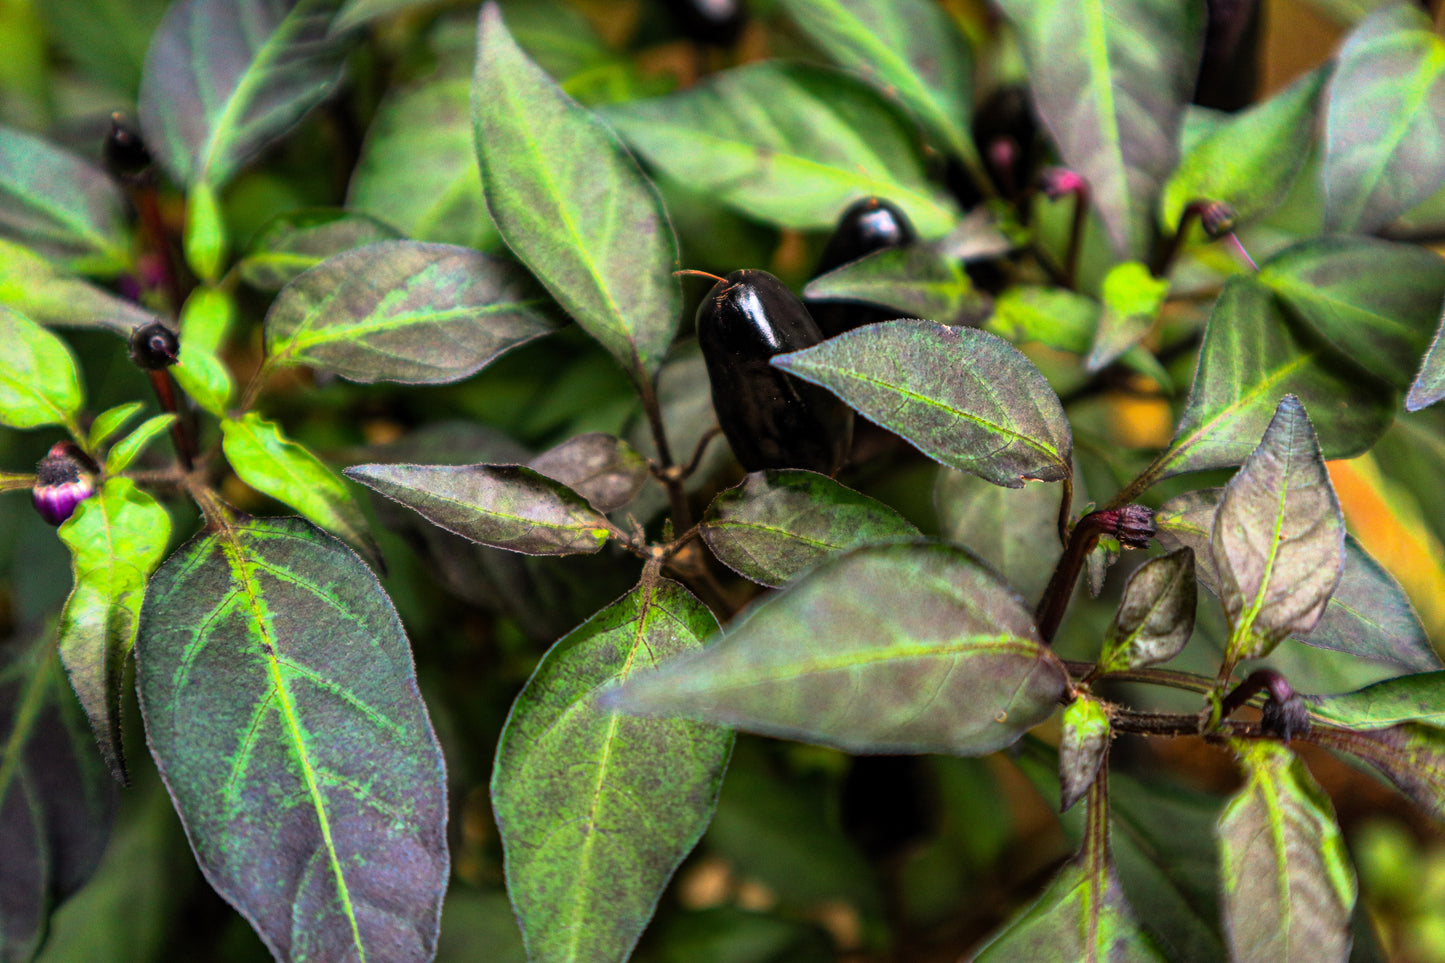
x=1229, y=68
x=771, y=419
x=712, y=23
x=64, y=478
x=869, y=225
x=154, y=346
x=126, y=155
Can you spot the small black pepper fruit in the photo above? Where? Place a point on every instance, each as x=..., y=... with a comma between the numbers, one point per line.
x=126, y=155
x=711, y=23
x=871, y=224
x=771, y=419
x=64, y=478
x=154, y=346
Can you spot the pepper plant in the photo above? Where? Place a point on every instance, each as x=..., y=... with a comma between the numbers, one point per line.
x=422, y=275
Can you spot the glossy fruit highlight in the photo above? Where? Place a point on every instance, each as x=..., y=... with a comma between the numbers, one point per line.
x=871, y=224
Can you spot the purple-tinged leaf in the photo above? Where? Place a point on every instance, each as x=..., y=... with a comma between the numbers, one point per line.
x=281, y=706
x=405, y=311
x=1082, y=749
x=296, y=241
x=1015, y=530
x=1279, y=539
x=1429, y=384
x=917, y=281
x=1289, y=888
x=606, y=471
x=775, y=525
x=964, y=397
x=889, y=648
x=1410, y=698
x=1411, y=755
x=505, y=506
x=1156, y=617
x=597, y=809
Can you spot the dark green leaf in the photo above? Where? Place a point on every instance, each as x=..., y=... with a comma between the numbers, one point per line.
x=39, y=290
x=298, y=240
x=776, y=525
x=224, y=78
x=917, y=281
x=1015, y=530
x=1156, y=617
x=606, y=471
x=116, y=539
x=1376, y=301
x=1411, y=755
x=281, y=707
x=39, y=384
x=1429, y=384
x=966, y=398
x=506, y=506
x=573, y=205
x=1082, y=749
x=129, y=448
x=405, y=311
x=597, y=809
x=889, y=648
x=1382, y=127
x=106, y=37
x=472, y=919
x=1289, y=887
x=1132, y=299
x=60, y=206
x=787, y=144
x=1279, y=538
x=1110, y=79
x=1410, y=698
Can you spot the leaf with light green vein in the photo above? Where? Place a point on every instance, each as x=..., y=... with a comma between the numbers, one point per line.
x=1015, y=530
x=298, y=240
x=1083, y=747
x=1252, y=357
x=597, y=809
x=966, y=398
x=1289, y=887
x=263, y=457
x=116, y=539
x=1411, y=755
x=39, y=384
x=1156, y=617
x=1429, y=384
x=505, y=506
x=281, y=707
x=573, y=205
x=224, y=78
x=1110, y=79
x=776, y=525
x=418, y=168
x=917, y=281
x=405, y=311
x=60, y=207
x=36, y=288
x=1409, y=698
x=606, y=471
x=788, y=144
x=108, y=422
x=1386, y=107
x=128, y=448
x=1378, y=302
x=1279, y=539
x=1132, y=299
x=1250, y=159
x=888, y=648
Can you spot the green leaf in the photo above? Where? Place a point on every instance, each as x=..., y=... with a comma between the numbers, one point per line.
x=36, y=288
x=1083, y=748
x=889, y=648
x=1156, y=617
x=39, y=384
x=1410, y=755
x=405, y=311
x=106, y=38
x=281, y=706
x=1015, y=530
x=224, y=78
x=787, y=144
x=298, y=240
x=1410, y=698
x=116, y=539
x=573, y=205
x=1110, y=80
x=127, y=449
x=505, y=506
x=597, y=809
x=1059, y=319
x=917, y=281
x=1132, y=300
x=1376, y=301
x=775, y=525
x=59, y=206
x=1279, y=538
x=1250, y=159
x=108, y=422
x=1429, y=384
x=205, y=240
x=966, y=398
x=205, y=319
x=1386, y=102
x=1289, y=887
x=606, y=471
x=418, y=168
x=264, y=458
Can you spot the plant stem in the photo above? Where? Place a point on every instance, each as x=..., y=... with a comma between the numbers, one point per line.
x=1076, y=236
x=182, y=429
x=1061, y=584
x=147, y=204
x=1169, y=678
x=676, y=496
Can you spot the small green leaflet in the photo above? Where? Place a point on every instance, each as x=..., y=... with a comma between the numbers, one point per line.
x=39, y=383
x=125, y=451
x=205, y=320
x=1083, y=748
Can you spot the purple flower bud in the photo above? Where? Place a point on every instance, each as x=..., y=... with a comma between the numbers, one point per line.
x=1060, y=181
x=1132, y=525
x=154, y=346
x=63, y=479
x=1217, y=218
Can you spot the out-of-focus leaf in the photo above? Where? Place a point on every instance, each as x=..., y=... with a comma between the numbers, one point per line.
x=730, y=934
x=116, y=539
x=1082, y=748
x=281, y=706
x=298, y=240
x=205, y=238
x=606, y=471
x=264, y=458
x=1410, y=698
x=1279, y=537
x=1057, y=318
x=119, y=458
x=224, y=78
x=788, y=144
x=573, y=205
x=889, y=648
x=36, y=288
x=1429, y=384
x=1156, y=617
x=966, y=398
x=404, y=311
x=1110, y=79
x=917, y=281
x=1386, y=105
x=775, y=525
x=505, y=506
x=1250, y=159
x=597, y=809
x=1132, y=298
x=472, y=919
x=108, y=422
x=60, y=206
x=1015, y=530
x=1289, y=887
x=39, y=384
x=1376, y=301
x=1411, y=755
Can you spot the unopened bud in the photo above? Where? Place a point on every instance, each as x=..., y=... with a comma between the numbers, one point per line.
x=63, y=479
x=1132, y=525
x=154, y=346
x=126, y=155
x=1058, y=182
x=1217, y=218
